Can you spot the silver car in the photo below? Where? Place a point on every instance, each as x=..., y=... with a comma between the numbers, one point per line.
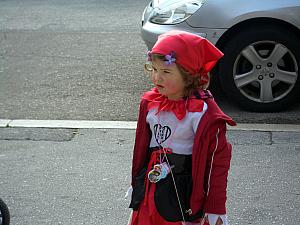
x=260, y=40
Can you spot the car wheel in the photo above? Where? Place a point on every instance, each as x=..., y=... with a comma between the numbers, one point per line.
x=4, y=214
x=259, y=69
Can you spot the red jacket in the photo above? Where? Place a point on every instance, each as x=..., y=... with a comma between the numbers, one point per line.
x=210, y=159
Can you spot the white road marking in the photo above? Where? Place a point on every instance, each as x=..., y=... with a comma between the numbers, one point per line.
x=89, y=124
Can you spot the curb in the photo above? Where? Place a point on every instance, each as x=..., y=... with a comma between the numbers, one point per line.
x=131, y=125
x=72, y=124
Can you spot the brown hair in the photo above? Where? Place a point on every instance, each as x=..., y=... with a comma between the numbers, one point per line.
x=192, y=82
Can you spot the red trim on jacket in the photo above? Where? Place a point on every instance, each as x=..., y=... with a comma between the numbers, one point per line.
x=210, y=143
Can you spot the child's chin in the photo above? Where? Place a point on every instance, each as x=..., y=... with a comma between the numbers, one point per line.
x=161, y=90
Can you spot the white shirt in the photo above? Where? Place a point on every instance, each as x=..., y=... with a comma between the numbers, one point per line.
x=169, y=132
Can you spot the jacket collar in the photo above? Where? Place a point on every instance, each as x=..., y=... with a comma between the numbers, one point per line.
x=178, y=107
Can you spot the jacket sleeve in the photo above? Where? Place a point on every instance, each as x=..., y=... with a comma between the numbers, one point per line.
x=142, y=140
x=216, y=172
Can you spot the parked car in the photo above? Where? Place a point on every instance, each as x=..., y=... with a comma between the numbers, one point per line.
x=260, y=40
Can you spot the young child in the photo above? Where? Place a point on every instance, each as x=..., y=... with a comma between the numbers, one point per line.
x=181, y=156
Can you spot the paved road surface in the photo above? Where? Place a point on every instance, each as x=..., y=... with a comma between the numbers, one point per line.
x=78, y=59
x=71, y=176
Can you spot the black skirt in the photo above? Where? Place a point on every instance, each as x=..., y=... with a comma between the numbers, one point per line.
x=172, y=194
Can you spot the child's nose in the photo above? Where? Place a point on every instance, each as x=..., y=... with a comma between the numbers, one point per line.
x=159, y=76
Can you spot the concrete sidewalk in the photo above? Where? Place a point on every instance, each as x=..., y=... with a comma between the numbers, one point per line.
x=72, y=175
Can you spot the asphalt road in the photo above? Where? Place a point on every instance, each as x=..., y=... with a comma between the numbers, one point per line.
x=78, y=59
x=83, y=59
x=72, y=177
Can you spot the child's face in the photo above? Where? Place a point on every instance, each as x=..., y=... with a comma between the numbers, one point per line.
x=168, y=79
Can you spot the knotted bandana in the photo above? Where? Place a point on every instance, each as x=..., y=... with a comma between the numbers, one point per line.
x=195, y=54
x=178, y=107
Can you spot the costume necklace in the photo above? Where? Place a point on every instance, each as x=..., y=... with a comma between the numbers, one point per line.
x=160, y=171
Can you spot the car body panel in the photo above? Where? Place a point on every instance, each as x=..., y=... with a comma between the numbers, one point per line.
x=150, y=38
x=248, y=32
x=213, y=27
x=228, y=16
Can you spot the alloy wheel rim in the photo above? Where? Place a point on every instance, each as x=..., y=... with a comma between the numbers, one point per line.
x=265, y=71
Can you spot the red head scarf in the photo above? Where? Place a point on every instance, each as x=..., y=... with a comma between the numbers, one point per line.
x=195, y=54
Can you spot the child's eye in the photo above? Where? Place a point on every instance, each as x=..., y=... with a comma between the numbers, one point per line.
x=166, y=71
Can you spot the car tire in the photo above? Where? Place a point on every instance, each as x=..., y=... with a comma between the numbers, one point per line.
x=259, y=70
x=4, y=214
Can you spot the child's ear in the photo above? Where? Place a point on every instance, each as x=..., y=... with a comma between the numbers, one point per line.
x=189, y=81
